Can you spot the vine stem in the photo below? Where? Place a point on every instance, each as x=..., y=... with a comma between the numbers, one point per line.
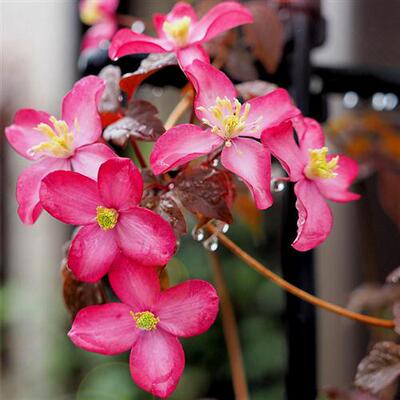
x=230, y=331
x=179, y=110
x=267, y=273
x=138, y=154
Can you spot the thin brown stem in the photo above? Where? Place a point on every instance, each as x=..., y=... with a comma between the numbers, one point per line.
x=138, y=154
x=267, y=273
x=185, y=102
x=230, y=331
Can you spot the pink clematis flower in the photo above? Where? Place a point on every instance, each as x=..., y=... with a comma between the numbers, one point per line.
x=318, y=176
x=233, y=128
x=100, y=14
x=181, y=32
x=93, y=12
x=112, y=221
x=148, y=322
x=66, y=144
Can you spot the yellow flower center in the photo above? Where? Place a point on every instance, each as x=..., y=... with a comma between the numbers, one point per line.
x=227, y=118
x=107, y=218
x=91, y=12
x=178, y=30
x=318, y=166
x=145, y=320
x=60, y=139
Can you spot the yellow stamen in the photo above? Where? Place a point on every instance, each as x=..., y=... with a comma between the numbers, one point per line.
x=107, y=218
x=318, y=166
x=227, y=118
x=178, y=30
x=91, y=12
x=145, y=320
x=60, y=143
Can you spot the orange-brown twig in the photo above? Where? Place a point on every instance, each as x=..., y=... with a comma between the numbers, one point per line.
x=267, y=273
x=230, y=331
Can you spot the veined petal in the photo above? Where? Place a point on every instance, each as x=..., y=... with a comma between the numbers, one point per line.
x=187, y=309
x=21, y=134
x=145, y=237
x=87, y=159
x=222, y=17
x=70, y=197
x=315, y=217
x=272, y=109
x=187, y=55
x=134, y=284
x=252, y=162
x=156, y=362
x=92, y=252
x=209, y=84
x=79, y=110
x=180, y=145
x=182, y=9
x=120, y=184
x=312, y=137
x=279, y=139
x=337, y=188
x=127, y=42
x=105, y=329
x=28, y=185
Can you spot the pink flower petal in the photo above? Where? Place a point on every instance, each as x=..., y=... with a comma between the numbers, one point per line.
x=98, y=34
x=157, y=361
x=106, y=329
x=180, y=145
x=272, y=109
x=222, y=17
x=127, y=42
x=134, y=284
x=180, y=10
x=280, y=141
x=87, y=159
x=92, y=252
x=209, y=84
x=187, y=309
x=187, y=55
x=79, y=110
x=109, y=7
x=252, y=162
x=312, y=137
x=336, y=189
x=315, y=217
x=21, y=134
x=145, y=237
x=28, y=185
x=70, y=197
x=120, y=184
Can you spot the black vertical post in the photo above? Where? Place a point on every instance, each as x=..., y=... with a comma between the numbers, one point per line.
x=297, y=267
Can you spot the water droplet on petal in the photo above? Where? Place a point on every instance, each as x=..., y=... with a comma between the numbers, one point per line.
x=198, y=234
x=211, y=243
x=277, y=185
x=215, y=162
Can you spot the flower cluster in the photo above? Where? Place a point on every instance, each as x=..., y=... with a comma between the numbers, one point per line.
x=79, y=180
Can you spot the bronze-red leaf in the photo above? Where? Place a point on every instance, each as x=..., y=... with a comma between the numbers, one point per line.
x=206, y=191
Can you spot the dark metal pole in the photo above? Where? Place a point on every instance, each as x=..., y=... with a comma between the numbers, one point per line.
x=301, y=380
